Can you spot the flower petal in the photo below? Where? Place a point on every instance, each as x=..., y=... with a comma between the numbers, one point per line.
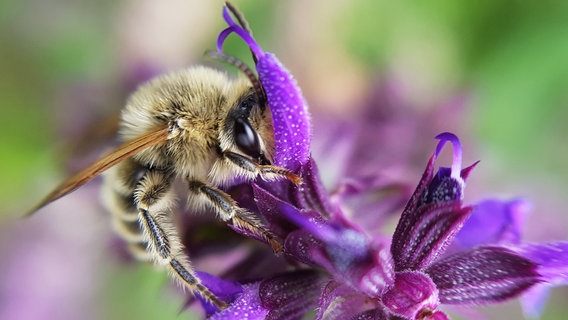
x=483, y=275
x=311, y=194
x=413, y=294
x=551, y=258
x=304, y=247
x=338, y=301
x=346, y=254
x=269, y=207
x=371, y=274
x=247, y=306
x=493, y=222
x=333, y=244
x=292, y=128
x=290, y=295
x=223, y=289
x=240, y=31
x=408, y=213
x=417, y=245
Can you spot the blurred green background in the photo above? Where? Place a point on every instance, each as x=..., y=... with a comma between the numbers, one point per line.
x=60, y=59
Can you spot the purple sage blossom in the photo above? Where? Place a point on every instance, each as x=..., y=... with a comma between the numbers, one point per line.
x=417, y=280
x=341, y=271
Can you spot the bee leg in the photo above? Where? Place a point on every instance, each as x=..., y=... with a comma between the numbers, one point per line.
x=153, y=199
x=228, y=210
x=266, y=172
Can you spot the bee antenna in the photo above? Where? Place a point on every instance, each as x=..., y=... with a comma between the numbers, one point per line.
x=240, y=17
x=256, y=85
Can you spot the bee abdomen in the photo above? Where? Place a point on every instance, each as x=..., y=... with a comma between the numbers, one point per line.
x=118, y=197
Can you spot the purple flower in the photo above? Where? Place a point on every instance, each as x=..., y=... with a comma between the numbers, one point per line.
x=413, y=279
x=343, y=271
x=423, y=280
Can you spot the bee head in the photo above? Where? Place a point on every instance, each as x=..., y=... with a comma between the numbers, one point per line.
x=250, y=126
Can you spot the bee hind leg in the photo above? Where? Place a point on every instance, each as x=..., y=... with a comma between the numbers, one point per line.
x=153, y=199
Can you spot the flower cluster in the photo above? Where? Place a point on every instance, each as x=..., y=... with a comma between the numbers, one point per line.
x=442, y=252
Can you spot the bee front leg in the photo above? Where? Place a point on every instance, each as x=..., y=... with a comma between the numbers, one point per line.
x=228, y=210
x=153, y=199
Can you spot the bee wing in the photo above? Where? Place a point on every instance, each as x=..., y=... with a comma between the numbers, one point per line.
x=121, y=153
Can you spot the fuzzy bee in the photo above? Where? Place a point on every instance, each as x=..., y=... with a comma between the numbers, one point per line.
x=199, y=125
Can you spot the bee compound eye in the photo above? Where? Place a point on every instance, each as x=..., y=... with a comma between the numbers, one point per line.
x=246, y=138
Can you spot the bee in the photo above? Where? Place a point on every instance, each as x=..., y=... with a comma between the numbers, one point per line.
x=200, y=125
